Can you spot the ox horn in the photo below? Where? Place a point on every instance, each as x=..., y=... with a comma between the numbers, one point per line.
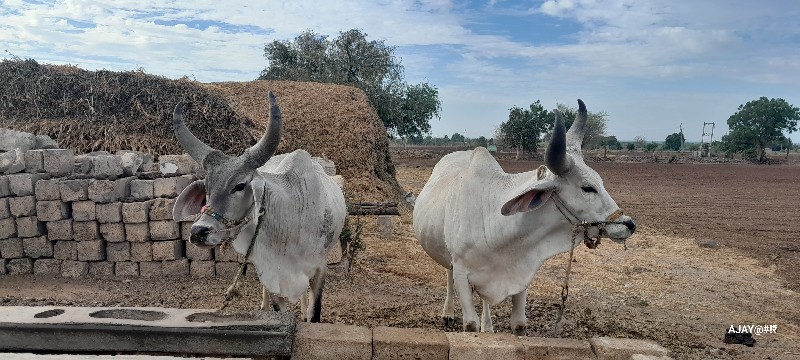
x=578, y=128
x=259, y=153
x=556, y=157
x=196, y=148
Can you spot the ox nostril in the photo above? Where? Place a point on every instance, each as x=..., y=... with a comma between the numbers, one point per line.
x=630, y=225
x=199, y=233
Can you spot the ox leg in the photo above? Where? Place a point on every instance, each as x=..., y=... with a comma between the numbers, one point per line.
x=264, y=298
x=315, y=299
x=486, y=318
x=279, y=303
x=461, y=283
x=304, y=301
x=519, y=322
x=449, y=310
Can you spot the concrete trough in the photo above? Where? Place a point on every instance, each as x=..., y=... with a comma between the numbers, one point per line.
x=157, y=330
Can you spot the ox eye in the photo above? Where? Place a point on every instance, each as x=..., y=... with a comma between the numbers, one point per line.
x=238, y=187
x=588, y=189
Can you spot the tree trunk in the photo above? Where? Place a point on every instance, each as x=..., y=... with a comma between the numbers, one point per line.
x=518, y=152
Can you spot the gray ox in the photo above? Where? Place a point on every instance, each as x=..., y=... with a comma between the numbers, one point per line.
x=304, y=212
x=492, y=230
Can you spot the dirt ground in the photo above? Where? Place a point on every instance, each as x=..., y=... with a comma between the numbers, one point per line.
x=664, y=287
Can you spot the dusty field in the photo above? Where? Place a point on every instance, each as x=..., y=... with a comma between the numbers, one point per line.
x=664, y=287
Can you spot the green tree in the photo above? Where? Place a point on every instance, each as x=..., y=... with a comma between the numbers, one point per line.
x=630, y=146
x=524, y=127
x=482, y=141
x=457, y=138
x=370, y=65
x=758, y=124
x=610, y=142
x=650, y=147
x=674, y=141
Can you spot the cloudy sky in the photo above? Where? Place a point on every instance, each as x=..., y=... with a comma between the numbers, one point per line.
x=650, y=64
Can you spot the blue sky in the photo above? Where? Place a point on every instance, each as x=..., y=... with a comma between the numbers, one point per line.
x=650, y=64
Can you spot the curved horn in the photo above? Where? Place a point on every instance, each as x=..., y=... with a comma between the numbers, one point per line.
x=196, y=148
x=578, y=128
x=259, y=153
x=556, y=157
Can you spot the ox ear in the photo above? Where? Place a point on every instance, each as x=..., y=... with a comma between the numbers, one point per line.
x=530, y=198
x=190, y=201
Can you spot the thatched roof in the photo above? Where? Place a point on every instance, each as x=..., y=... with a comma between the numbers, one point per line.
x=104, y=110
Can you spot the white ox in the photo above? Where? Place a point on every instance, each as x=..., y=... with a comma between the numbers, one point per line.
x=304, y=212
x=493, y=230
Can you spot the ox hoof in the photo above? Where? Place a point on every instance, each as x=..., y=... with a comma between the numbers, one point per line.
x=471, y=327
x=448, y=321
x=520, y=330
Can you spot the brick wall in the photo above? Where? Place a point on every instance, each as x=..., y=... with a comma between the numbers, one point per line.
x=100, y=215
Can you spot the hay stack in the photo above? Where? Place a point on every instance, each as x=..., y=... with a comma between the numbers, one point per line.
x=103, y=110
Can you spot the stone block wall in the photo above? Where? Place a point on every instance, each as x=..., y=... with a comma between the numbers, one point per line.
x=99, y=214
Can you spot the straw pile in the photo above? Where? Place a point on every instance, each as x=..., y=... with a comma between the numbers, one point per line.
x=104, y=110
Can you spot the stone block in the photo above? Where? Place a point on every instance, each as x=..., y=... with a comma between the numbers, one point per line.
x=177, y=165
x=65, y=250
x=142, y=251
x=608, y=348
x=226, y=269
x=161, y=209
x=30, y=226
x=178, y=267
x=332, y=341
x=91, y=250
x=11, y=248
x=23, y=184
x=167, y=250
x=12, y=162
x=5, y=188
x=126, y=268
x=5, y=211
x=101, y=268
x=106, y=166
x=107, y=191
x=136, y=212
x=84, y=211
x=52, y=210
x=74, y=269
x=74, y=190
x=19, y=266
x=194, y=252
x=172, y=186
x=8, y=228
x=3, y=270
x=164, y=230
x=112, y=232
x=109, y=213
x=59, y=230
x=58, y=162
x=83, y=165
x=150, y=268
x=385, y=227
x=47, y=189
x=85, y=231
x=556, y=349
x=37, y=247
x=227, y=255
x=403, y=343
x=47, y=266
x=186, y=230
x=141, y=189
x=131, y=161
x=485, y=346
x=120, y=251
x=137, y=232
x=34, y=161
x=202, y=268
x=22, y=206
